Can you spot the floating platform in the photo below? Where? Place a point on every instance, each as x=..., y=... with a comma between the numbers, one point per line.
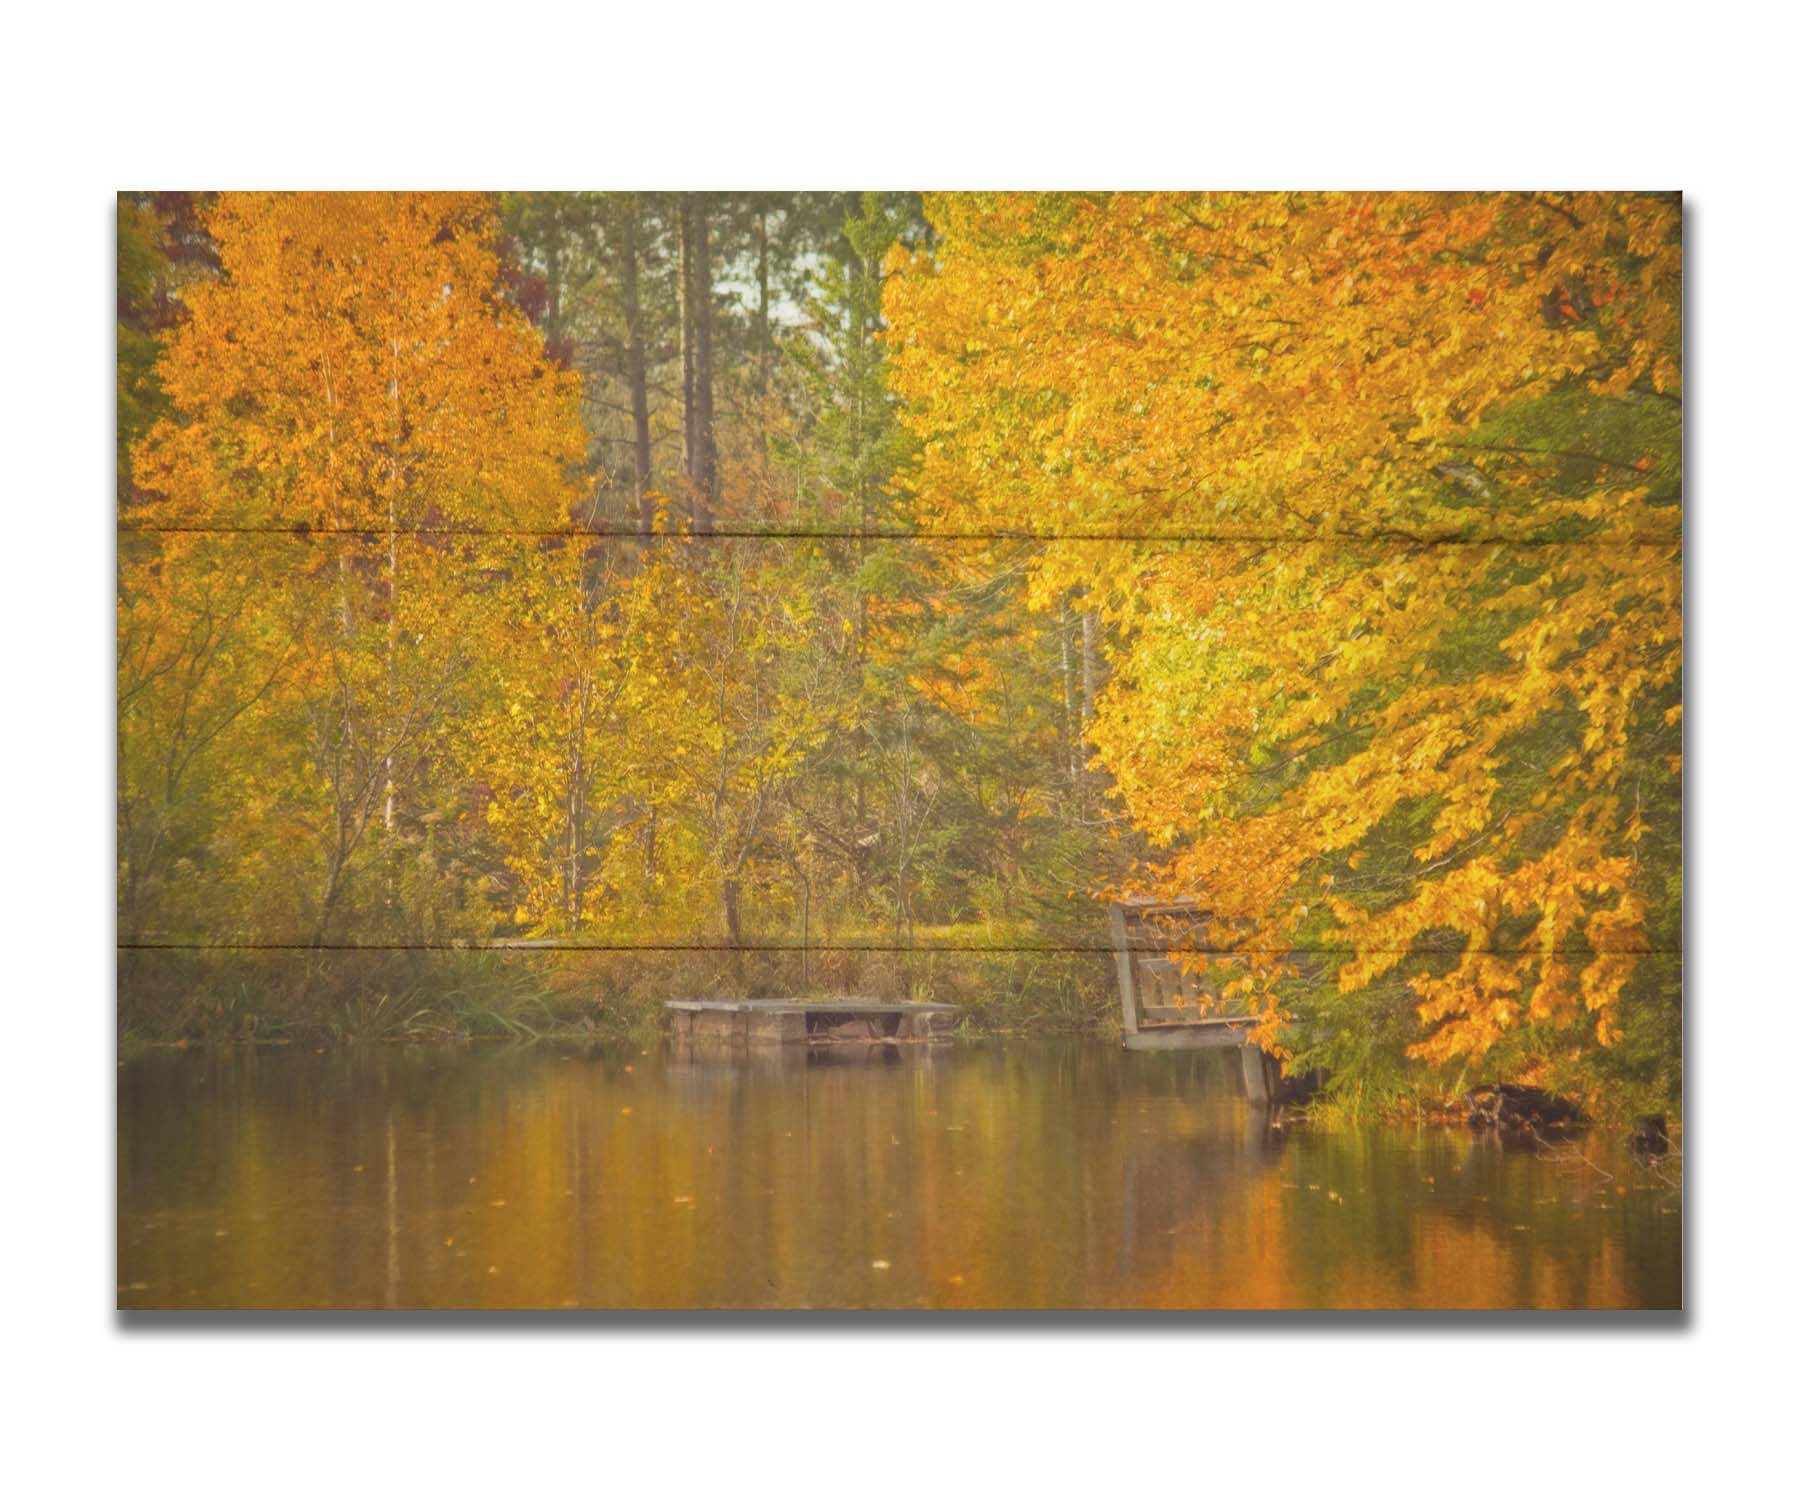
x=800, y=1021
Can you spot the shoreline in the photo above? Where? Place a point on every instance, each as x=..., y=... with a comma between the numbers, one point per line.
x=1323, y=1112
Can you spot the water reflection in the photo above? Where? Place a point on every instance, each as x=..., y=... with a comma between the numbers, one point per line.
x=1029, y=1174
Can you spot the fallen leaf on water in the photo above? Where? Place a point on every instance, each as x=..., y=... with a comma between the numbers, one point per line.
x=493, y=1270
x=626, y=1110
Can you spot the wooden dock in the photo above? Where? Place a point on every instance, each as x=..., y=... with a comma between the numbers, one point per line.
x=809, y=1021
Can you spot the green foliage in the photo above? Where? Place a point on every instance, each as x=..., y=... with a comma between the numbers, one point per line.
x=143, y=271
x=838, y=746
x=1409, y=716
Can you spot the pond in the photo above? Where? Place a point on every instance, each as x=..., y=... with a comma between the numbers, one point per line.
x=1007, y=1174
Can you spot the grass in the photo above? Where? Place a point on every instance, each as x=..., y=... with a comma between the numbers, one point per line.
x=323, y=997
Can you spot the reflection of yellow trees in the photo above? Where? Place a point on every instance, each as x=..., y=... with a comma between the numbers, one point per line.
x=1000, y=1179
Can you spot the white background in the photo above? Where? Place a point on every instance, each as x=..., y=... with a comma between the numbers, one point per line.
x=894, y=95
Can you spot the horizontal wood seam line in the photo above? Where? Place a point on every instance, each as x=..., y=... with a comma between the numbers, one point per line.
x=1169, y=538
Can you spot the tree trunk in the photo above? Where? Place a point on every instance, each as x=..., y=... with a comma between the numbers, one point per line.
x=805, y=933
x=574, y=881
x=764, y=345
x=703, y=373
x=393, y=563
x=1090, y=665
x=553, y=279
x=634, y=368
x=689, y=442
x=733, y=923
x=1071, y=713
x=696, y=362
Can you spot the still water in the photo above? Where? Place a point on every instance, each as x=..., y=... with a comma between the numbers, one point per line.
x=1002, y=1175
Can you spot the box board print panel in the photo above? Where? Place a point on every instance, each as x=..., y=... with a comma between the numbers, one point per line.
x=817, y=750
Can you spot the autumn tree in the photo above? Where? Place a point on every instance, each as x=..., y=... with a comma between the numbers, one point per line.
x=353, y=385
x=563, y=749
x=1396, y=480
x=162, y=248
x=951, y=800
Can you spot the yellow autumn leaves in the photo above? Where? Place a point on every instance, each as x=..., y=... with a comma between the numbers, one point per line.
x=1398, y=604
x=1357, y=526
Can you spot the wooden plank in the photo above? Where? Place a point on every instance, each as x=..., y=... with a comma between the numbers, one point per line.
x=1183, y=1038
x=1256, y=1082
x=816, y=1007
x=715, y=1025
x=784, y=1022
x=1216, y=1014
x=787, y=1025
x=1127, y=981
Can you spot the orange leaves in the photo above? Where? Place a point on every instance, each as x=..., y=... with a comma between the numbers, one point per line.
x=1211, y=343
x=360, y=426
x=353, y=368
x=1426, y=739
